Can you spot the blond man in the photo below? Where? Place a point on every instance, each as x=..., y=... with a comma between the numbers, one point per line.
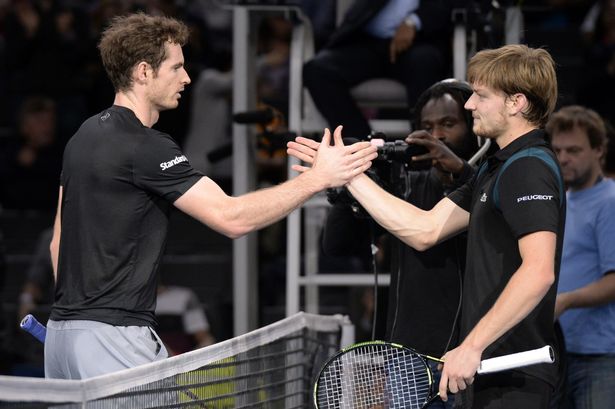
x=514, y=233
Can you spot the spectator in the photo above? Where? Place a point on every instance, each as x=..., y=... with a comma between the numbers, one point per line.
x=182, y=324
x=30, y=163
x=585, y=302
x=403, y=40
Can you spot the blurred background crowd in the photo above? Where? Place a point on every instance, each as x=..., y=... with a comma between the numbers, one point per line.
x=51, y=80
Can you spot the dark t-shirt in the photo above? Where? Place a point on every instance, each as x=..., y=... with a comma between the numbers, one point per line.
x=530, y=201
x=119, y=179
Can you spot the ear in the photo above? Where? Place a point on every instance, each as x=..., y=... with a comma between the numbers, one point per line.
x=142, y=72
x=517, y=103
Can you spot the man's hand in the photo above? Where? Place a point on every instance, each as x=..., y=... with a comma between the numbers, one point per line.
x=460, y=366
x=402, y=40
x=335, y=165
x=562, y=303
x=440, y=155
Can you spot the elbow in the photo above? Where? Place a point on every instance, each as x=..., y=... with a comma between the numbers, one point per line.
x=235, y=231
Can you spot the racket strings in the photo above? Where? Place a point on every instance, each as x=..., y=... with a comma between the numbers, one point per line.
x=375, y=376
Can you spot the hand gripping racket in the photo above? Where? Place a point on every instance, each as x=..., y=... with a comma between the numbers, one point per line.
x=379, y=375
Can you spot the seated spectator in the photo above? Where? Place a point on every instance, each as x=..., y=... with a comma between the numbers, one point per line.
x=404, y=40
x=30, y=163
x=182, y=324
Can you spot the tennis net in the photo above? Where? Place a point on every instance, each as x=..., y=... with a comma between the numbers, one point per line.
x=271, y=367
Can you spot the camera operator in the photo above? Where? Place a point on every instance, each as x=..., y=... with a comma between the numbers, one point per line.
x=424, y=294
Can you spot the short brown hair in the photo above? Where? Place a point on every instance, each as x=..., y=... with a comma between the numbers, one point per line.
x=517, y=68
x=138, y=37
x=577, y=116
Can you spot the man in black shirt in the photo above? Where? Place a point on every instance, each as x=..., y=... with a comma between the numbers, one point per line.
x=119, y=180
x=514, y=214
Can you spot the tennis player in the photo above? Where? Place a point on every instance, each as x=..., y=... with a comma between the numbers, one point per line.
x=514, y=234
x=119, y=180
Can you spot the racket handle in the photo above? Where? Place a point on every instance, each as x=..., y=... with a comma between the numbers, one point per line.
x=35, y=328
x=502, y=363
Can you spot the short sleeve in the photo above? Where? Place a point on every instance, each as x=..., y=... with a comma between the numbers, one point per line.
x=530, y=197
x=161, y=168
x=605, y=233
x=462, y=196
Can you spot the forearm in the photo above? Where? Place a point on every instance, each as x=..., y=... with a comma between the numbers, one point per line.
x=263, y=207
x=592, y=295
x=417, y=228
x=521, y=295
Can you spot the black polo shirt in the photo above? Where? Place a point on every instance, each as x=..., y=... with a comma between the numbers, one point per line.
x=119, y=180
x=529, y=201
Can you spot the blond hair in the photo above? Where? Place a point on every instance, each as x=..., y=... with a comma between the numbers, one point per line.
x=519, y=69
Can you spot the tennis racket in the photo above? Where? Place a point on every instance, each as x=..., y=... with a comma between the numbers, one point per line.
x=35, y=328
x=378, y=375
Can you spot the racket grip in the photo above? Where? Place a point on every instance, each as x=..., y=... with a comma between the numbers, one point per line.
x=35, y=328
x=531, y=357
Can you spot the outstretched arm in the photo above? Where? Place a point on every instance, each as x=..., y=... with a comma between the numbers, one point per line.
x=418, y=228
x=334, y=165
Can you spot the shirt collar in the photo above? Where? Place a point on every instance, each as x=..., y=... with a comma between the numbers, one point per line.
x=535, y=137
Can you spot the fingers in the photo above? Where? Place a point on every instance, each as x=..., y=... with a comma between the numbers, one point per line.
x=360, y=146
x=311, y=143
x=300, y=168
x=300, y=155
x=392, y=52
x=442, y=388
x=326, y=137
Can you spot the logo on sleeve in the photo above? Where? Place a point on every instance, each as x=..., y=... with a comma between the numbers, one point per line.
x=178, y=159
x=534, y=197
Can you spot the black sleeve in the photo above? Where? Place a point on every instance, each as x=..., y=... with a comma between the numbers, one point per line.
x=462, y=196
x=529, y=196
x=161, y=168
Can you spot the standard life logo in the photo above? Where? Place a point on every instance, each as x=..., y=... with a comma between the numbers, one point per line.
x=173, y=162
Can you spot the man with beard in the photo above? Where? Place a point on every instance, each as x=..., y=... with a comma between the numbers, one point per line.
x=513, y=210
x=425, y=286
x=585, y=302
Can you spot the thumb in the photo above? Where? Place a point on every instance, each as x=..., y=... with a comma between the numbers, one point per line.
x=337, y=136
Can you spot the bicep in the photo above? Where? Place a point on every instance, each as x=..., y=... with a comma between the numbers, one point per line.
x=537, y=251
x=449, y=219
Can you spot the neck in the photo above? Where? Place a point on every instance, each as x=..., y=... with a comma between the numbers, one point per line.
x=595, y=178
x=513, y=133
x=142, y=109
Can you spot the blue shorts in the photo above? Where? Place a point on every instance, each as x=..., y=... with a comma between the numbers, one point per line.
x=81, y=349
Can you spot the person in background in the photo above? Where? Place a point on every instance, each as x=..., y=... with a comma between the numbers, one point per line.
x=408, y=41
x=424, y=293
x=585, y=303
x=182, y=323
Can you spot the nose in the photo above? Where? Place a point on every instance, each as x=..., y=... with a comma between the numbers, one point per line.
x=187, y=79
x=469, y=105
x=438, y=133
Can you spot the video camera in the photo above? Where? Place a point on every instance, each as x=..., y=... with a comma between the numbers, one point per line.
x=397, y=150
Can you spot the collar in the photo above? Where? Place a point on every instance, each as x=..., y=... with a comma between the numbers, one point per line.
x=536, y=137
